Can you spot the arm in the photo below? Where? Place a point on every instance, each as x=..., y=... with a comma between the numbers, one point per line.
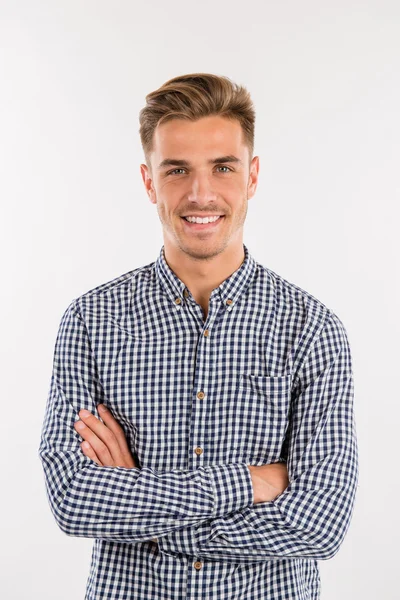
x=311, y=517
x=118, y=503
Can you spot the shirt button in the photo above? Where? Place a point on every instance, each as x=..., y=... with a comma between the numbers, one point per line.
x=185, y=293
x=229, y=301
x=155, y=540
x=178, y=300
x=197, y=565
x=206, y=332
x=200, y=395
x=198, y=450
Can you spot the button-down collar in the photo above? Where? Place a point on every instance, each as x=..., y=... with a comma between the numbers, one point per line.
x=227, y=292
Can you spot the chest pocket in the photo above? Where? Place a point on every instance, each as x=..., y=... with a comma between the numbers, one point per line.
x=263, y=404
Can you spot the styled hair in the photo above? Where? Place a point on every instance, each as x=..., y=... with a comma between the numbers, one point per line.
x=192, y=97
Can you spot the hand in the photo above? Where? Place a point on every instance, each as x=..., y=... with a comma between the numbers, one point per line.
x=105, y=443
x=269, y=481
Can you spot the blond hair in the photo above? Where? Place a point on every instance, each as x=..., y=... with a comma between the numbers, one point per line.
x=192, y=97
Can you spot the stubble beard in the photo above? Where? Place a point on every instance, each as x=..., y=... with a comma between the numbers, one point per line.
x=210, y=247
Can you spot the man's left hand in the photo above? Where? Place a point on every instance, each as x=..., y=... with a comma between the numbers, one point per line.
x=105, y=443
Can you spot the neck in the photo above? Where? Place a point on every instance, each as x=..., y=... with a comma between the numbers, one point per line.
x=202, y=275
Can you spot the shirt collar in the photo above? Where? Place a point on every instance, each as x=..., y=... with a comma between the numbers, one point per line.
x=227, y=292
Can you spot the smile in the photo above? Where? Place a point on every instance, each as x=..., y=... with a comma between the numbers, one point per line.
x=200, y=224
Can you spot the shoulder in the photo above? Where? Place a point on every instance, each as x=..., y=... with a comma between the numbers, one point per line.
x=293, y=297
x=312, y=318
x=113, y=296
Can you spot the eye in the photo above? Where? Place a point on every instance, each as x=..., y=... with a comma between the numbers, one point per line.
x=173, y=171
x=224, y=167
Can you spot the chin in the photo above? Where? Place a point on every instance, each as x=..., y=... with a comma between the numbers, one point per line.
x=203, y=251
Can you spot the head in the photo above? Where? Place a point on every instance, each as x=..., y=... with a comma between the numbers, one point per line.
x=197, y=133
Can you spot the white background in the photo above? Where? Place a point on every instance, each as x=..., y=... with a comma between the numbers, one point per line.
x=324, y=77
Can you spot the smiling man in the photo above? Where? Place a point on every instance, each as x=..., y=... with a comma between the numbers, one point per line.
x=200, y=423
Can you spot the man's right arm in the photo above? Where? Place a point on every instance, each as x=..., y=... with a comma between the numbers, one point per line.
x=117, y=503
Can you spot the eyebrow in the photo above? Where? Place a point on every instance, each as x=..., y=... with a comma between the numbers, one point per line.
x=230, y=158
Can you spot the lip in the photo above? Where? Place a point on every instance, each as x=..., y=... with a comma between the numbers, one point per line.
x=203, y=226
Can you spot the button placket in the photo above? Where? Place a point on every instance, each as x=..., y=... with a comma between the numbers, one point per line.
x=201, y=392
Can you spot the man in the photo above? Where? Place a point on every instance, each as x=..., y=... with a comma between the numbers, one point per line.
x=200, y=423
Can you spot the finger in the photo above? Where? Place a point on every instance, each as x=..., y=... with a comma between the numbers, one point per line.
x=114, y=426
x=103, y=433
x=100, y=448
x=90, y=453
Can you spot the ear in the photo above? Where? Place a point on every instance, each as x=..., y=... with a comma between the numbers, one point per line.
x=148, y=183
x=253, y=177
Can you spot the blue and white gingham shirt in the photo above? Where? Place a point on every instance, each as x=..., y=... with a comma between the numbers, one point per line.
x=266, y=378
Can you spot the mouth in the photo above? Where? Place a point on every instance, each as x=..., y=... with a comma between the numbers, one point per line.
x=211, y=225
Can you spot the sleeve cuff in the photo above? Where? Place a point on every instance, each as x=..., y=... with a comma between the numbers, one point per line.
x=232, y=486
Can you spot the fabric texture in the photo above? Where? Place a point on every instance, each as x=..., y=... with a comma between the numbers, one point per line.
x=267, y=377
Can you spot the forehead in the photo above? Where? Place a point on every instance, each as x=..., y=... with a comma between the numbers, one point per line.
x=209, y=135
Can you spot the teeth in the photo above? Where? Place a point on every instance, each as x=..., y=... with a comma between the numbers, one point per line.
x=204, y=220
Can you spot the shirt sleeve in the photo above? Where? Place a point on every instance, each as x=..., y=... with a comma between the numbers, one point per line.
x=311, y=517
x=117, y=503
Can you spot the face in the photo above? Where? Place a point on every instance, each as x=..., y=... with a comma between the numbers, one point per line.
x=201, y=169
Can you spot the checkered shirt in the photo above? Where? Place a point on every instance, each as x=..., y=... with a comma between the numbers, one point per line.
x=267, y=377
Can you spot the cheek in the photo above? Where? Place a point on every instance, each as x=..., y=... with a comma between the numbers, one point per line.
x=235, y=193
x=169, y=194
x=166, y=211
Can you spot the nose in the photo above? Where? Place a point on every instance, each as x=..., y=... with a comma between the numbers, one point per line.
x=201, y=189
